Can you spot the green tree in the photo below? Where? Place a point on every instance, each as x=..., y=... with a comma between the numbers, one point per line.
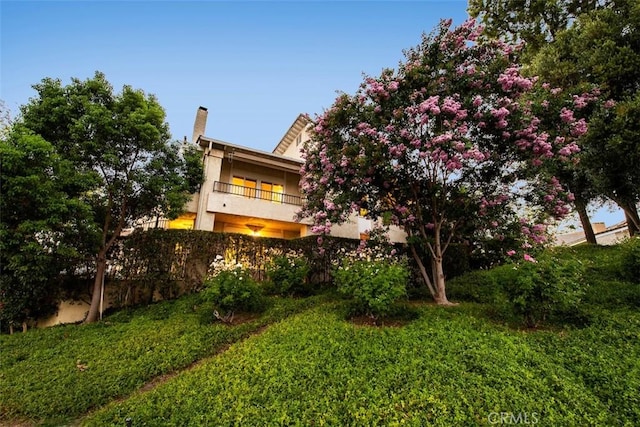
x=40, y=226
x=602, y=48
x=123, y=140
x=534, y=22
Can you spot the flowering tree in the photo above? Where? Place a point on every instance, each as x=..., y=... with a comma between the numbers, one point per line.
x=446, y=147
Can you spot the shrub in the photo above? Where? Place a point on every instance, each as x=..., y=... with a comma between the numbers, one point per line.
x=288, y=274
x=631, y=260
x=373, y=285
x=232, y=290
x=550, y=286
x=477, y=286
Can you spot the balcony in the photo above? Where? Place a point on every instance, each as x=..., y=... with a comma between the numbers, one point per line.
x=256, y=193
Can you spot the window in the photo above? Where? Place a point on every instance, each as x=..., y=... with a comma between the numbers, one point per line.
x=265, y=190
x=273, y=192
x=298, y=139
x=244, y=186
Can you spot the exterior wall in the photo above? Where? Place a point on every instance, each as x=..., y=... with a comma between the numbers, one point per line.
x=212, y=170
x=293, y=150
x=613, y=237
x=68, y=312
x=235, y=204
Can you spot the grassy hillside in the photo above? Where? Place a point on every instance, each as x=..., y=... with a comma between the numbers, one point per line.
x=467, y=365
x=449, y=367
x=56, y=374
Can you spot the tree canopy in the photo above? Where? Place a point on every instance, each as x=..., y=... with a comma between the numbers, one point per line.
x=120, y=144
x=447, y=147
x=575, y=45
x=602, y=48
x=533, y=22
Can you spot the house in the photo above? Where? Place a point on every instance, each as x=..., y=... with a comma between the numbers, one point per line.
x=250, y=191
x=604, y=235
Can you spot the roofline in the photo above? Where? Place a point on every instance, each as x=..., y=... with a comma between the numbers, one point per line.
x=296, y=127
x=251, y=154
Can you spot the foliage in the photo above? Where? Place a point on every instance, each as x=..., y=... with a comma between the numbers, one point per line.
x=536, y=22
x=631, y=260
x=231, y=288
x=54, y=375
x=41, y=228
x=372, y=281
x=605, y=281
x=162, y=261
x=551, y=285
x=449, y=367
x=288, y=273
x=479, y=286
x=122, y=141
x=447, y=148
x=601, y=48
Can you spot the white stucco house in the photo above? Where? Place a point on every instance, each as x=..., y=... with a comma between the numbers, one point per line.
x=250, y=191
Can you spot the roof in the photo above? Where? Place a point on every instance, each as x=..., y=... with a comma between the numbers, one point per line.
x=577, y=237
x=294, y=130
x=251, y=155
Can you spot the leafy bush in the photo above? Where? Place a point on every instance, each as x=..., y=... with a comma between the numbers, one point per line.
x=233, y=290
x=373, y=284
x=631, y=260
x=287, y=274
x=477, y=286
x=550, y=286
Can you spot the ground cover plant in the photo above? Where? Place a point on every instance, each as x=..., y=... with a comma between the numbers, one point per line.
x=55, y=374
x=452, y=366
x=463, y=365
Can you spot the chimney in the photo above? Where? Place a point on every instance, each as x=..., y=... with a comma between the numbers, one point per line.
x=200, y=124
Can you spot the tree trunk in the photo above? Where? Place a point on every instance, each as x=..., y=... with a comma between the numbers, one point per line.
x=439, y=283
x=440, y=296
x=634, y=229
x=24, y=327
x=101, y=267
x=581, y=207
x=630, y=214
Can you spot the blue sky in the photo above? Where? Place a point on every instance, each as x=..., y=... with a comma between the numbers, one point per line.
x=254, y=65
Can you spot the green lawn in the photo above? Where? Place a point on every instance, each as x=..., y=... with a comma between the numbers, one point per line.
x=463, y=365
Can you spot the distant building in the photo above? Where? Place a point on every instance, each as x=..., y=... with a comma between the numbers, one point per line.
x=604, y=235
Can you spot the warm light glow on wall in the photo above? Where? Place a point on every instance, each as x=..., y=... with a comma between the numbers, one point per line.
x=255, y=228
x=183, y=222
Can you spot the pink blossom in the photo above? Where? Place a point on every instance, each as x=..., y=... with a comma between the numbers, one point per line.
x=511, y=252
x=579, y=128
x=579, y=101
x=529, y=258
x=500, y=113
x=566, y=115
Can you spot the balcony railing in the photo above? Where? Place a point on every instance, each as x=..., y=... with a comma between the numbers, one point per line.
x=256, y=193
